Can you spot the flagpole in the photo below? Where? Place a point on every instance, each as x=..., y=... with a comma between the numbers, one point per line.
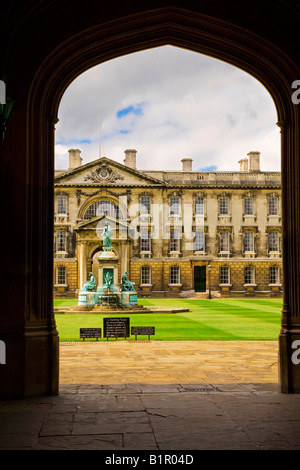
x=99, y=135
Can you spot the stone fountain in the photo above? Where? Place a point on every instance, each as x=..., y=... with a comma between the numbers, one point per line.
x=106, y=296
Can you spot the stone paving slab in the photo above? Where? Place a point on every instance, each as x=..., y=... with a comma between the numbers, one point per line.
x=250, y=417
x=241, y=408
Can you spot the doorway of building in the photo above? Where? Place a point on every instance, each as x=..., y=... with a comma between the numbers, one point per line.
x=200, y=278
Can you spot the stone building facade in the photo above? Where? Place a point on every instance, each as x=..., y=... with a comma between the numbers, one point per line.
x=174, y=232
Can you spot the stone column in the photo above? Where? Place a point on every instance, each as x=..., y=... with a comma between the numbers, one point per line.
x=123, y=253
x=82, y=264
x=289, y=338
x=27, y=322
x=127, y=256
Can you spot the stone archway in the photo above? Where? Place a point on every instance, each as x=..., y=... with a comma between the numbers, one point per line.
x=31, y=136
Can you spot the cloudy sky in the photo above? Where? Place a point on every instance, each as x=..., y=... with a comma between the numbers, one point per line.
x=168, y=103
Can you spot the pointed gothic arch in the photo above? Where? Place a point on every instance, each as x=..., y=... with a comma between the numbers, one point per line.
x=31, y=133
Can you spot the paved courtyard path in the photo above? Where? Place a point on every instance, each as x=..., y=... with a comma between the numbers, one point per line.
x=168, y=362
x=154, y=396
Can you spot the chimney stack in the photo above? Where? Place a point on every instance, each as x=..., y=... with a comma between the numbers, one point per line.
x=130, y=158
x=187, y=164
x=75, y=159
x=243, y=164
x=254, y=161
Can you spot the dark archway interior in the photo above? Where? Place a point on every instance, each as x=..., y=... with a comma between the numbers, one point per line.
x=37, y=73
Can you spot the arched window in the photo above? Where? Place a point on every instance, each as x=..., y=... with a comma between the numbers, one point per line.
x=104, y=207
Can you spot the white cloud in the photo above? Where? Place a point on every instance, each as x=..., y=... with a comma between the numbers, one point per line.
x=191, y=106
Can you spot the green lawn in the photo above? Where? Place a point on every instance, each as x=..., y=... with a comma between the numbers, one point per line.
x=217, y=319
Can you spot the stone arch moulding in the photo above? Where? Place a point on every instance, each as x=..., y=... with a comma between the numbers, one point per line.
x=199, y=33
x=92, y=249
x=113, y=199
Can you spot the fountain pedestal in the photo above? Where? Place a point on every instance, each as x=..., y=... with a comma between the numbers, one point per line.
x=108, y=292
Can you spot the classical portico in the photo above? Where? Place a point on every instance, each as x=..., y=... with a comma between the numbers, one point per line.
x=89, y=244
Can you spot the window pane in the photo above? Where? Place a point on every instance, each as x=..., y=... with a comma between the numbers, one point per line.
x=61, y=275
x=249, y=275
x=249, y=241
x=199, y=206
x=174, y=205
x=145, y=205
x=274, y=241
x=224, y=275
x=273, y=206
x=274, y=275
x=174, y=240
x=146, y=275
x=224, y=240
x=90, y=212
x=199, y=244
x=60, y=240
x=104, y=207
x=145, y=240
x=61, y=204
x=174, y=275
x=248, y=206
x=224, y=205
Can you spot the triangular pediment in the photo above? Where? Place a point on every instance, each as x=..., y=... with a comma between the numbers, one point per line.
x=106, y=172
x=96, y=223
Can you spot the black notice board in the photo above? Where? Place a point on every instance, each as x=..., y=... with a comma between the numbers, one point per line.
x=143, y=330
x=90, y=333
x=116, y=327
